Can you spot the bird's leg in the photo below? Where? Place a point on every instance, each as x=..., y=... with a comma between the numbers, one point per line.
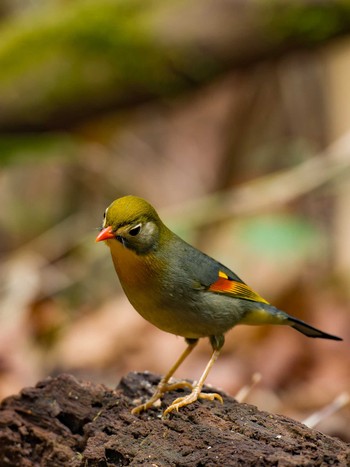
x=163, y=385
x=217, y=343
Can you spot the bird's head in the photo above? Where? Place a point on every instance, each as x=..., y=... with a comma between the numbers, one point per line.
x=133, y=222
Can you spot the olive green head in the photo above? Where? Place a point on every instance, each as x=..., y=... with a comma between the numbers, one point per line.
x=133, y=222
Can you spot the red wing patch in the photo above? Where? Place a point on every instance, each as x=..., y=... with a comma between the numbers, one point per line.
x=236, y=289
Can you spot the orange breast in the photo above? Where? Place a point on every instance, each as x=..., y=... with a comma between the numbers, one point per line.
x=139, y=277
x=132, y=269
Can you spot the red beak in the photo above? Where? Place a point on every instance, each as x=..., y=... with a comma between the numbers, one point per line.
x=105, y=234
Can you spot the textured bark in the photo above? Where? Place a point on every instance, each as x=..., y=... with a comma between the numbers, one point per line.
x=63, y=421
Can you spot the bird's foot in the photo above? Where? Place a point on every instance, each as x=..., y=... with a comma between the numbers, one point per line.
x=186, y=400
x=162, y=388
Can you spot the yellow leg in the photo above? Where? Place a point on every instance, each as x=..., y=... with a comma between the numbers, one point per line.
x=163, y=385
x=196, y=390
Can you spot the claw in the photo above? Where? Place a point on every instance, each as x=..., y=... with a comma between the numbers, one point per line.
x=190, y=398
x=160, y=391
x=164, y=385
x=196, y=391
x=179, y=385
x=195, y=394
x=211, y=396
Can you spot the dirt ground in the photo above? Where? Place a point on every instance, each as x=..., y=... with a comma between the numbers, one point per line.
x=66, y=422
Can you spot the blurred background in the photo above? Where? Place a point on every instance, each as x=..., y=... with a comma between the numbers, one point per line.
x=233, y=119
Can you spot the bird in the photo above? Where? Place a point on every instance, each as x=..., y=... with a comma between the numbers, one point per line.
x=182, y=291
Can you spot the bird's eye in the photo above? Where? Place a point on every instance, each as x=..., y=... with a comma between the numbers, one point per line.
x=135, y=230
x=104, y=215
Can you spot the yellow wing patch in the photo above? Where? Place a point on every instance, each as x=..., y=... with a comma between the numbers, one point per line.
x=223, y=275
x=237, y=289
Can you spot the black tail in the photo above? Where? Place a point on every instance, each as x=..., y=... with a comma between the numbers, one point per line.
x=310, y=331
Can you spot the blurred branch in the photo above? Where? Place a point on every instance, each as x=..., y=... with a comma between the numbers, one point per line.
x=339, y=402
x=269, y=191
x=40, y=267
x=243, y=393
x=64, y=64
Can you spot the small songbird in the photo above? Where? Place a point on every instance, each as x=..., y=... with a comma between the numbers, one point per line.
x=181, y=290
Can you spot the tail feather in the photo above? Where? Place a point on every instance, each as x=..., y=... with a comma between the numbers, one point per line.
x=268, y=314
x=310, y=331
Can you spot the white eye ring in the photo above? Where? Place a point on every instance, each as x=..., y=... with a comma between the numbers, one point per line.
x=135, y=230
x=104, y=218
